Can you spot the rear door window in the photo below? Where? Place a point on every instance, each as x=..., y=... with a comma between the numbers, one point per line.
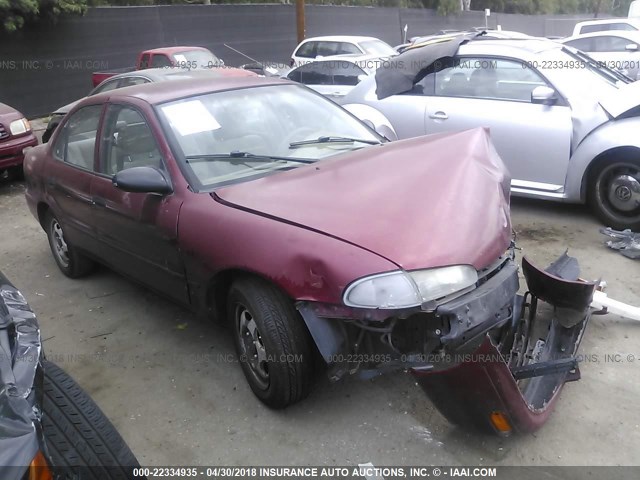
x=76, y=143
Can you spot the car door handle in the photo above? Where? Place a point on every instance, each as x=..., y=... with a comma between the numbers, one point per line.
x=51, y=182
x=440, y=115
x=98, y=201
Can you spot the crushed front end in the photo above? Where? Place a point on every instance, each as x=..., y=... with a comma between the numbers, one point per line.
x=486, y=356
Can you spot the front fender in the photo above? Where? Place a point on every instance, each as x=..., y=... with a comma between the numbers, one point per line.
x=612, y=135
x=381, y=124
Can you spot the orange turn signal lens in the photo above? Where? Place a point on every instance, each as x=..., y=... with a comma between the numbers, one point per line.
x=39, y=469
x=500, y=422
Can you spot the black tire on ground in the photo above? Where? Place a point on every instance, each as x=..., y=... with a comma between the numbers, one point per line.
x=287, y=347
x=613, y=193
x=73, y=264
x=77, y=433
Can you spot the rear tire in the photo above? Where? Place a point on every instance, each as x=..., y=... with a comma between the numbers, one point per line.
x=614, y=194
x=77, y=433
x=272, y=341
x=72, y=263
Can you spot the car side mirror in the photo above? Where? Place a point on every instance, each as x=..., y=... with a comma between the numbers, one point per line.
x=544, y=95
x=142, y=180
x=632, y=47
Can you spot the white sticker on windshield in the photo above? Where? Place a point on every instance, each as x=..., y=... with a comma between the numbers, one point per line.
x=180, y=58
x=190, y=117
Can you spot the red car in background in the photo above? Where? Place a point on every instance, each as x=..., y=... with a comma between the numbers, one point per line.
x=15, y=136
x=260, y=202
x=181, y=57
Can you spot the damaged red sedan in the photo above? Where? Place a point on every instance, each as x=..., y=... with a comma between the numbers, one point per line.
x=262, y=203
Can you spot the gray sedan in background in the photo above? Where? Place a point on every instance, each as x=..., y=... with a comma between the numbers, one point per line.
x=139, y=77
x=566, y=128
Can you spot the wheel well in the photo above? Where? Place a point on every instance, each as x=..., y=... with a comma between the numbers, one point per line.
x=218, y=290
x=603, y=158
x=43, y=208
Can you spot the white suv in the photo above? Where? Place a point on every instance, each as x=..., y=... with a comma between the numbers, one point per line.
x=312, y=48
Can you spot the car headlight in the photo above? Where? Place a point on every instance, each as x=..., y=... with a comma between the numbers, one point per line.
x=19, y=126
x=400, y=289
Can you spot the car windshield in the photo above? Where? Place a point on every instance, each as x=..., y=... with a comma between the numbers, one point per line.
x=203, y=58
x=576, y=74
x=377, y=47
x=238, y=135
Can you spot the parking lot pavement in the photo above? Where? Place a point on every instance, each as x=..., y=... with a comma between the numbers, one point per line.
x=170, y=384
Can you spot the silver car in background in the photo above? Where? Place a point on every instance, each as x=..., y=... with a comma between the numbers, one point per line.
x=567, y=129
x=618, y=50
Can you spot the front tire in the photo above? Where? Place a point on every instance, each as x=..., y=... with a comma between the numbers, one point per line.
x=614, y=194
x=272, y=342
x=77, y=433
x=72, y=263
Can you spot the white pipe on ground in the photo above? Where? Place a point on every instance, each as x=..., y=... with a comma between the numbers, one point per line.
x=602, y=301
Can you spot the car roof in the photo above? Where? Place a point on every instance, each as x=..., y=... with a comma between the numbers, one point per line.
x=350, y=57
x=609, y=20
x=628, y=34
x=161, y=92
x=486, y=35
x=509, y=47
x=340, y=38
x=175, y=73
x=171, y=50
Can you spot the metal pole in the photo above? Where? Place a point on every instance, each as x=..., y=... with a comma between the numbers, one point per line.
x=300, y=19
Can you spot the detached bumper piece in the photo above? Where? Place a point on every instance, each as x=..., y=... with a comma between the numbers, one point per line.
x=625, y=241
x=512, y=381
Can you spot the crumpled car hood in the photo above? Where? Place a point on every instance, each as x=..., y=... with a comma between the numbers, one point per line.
x=424, y=202
x=626, y=98
x=19, y=359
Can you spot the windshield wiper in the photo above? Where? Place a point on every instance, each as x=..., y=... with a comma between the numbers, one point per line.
x=240, y=157
x=599, y=67
x=332, y=140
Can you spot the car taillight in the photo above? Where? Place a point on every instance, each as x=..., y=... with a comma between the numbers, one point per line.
x=39, y=469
